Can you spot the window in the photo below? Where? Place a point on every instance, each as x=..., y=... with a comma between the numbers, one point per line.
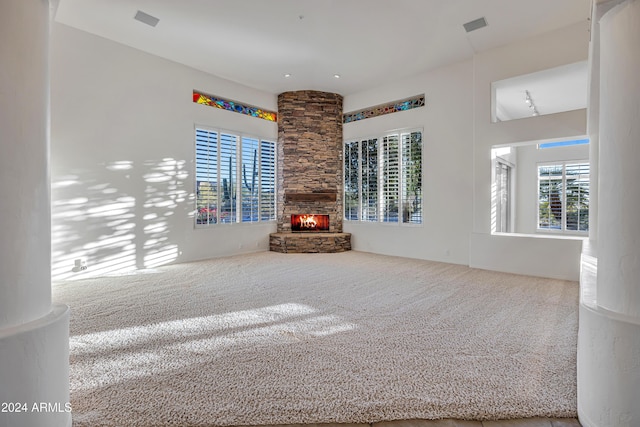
x=227, y=155
x=351, y=173
x=390, y=179
x=503, y=196
x=412, y=177
x=563, y=197
x=267, y=181
x=383, y=178
x=369, y=178
x=249, y=188
x=556, y=144
x=235, y=178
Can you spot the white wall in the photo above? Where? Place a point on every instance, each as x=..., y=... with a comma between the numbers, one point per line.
x=458, y=136
x=546, y=256
x=447, y=164
x=122, y=158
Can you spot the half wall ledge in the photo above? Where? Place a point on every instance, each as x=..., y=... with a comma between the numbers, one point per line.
x=309, y=242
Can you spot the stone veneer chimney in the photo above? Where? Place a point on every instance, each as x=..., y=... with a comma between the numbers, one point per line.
x=309, y=170
x=309, y=157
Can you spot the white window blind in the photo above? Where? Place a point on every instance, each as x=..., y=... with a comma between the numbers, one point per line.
x=228, y=173
x=563, y=197
x=267, y=180
x=383, y=178
x=390, y=178
x=250, y=179
x=351, y=174
x=235, y=178
x=206, y=176
x=412, y=177
x=369, y=153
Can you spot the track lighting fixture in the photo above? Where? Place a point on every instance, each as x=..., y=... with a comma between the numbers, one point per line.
x=529, y=101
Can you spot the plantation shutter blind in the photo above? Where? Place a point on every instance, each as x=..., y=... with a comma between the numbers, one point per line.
x=249, y=179
x=228, y=173
x=577, y=196
x=267, y=180
x=351, y=187
x=206, y=176
x=412, y=177
x=390, y=178
x=369, y=154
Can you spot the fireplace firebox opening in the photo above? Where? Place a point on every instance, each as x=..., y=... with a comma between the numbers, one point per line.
x=310, y=223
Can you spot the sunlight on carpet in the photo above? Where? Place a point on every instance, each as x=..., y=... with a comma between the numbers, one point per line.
x=272, y=338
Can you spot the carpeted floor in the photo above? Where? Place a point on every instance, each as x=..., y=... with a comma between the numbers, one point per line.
x=272, y=338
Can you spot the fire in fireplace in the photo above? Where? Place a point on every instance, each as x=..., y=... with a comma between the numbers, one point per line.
x=310, y=222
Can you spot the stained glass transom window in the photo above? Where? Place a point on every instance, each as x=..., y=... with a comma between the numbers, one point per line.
x=379, y=110
x=225, y=104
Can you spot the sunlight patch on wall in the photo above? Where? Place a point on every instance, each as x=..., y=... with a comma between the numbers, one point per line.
x=120, y=165
x=156, y=258
x=112, y=217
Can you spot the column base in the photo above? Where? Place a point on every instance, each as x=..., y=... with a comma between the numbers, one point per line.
x=608, y=369
x=34, y=372
x=608, y=357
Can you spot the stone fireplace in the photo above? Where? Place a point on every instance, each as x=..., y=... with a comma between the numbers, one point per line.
x=309, y=172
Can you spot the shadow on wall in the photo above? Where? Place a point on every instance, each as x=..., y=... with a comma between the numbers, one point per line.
x=116, y=218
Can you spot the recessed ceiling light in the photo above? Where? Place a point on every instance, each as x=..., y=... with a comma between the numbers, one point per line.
x=287, y=75
x=146, y=18
x=337, y=76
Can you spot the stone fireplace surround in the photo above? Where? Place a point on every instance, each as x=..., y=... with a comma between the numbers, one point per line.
x=309, y=170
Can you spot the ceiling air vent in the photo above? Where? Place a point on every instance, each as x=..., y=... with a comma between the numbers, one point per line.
x=146, y=18
x=475, y=24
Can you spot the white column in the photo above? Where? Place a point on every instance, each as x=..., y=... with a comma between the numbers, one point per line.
x=34, y=341
x=619, y=207
x=609, y=333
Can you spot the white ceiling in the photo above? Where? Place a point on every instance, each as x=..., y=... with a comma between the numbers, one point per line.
x=367, y=42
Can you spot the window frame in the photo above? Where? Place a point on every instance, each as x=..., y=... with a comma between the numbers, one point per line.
x=380, y=199
x=563, y=202
x=508, y=206
x=238, y=194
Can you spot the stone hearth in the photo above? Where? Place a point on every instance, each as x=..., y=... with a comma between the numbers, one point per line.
x=310, y=242
x=309, y=170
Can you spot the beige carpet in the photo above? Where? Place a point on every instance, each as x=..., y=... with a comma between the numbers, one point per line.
x=276, y=338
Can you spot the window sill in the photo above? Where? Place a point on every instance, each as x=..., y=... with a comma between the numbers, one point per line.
x=545, y=235
x=233, y=224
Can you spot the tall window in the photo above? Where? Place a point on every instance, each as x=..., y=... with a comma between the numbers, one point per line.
x=503, y=196
x=390, y=199
x=351, y=173
x=563, y=196
x=383, y=178
x=250, y=171
x=227, y=159
x=369, y=178
x=235, y=178
x=207, y=176
x=267, y=181
x=412, y=177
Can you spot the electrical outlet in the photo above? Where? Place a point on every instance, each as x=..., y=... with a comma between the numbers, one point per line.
x=80, y=264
